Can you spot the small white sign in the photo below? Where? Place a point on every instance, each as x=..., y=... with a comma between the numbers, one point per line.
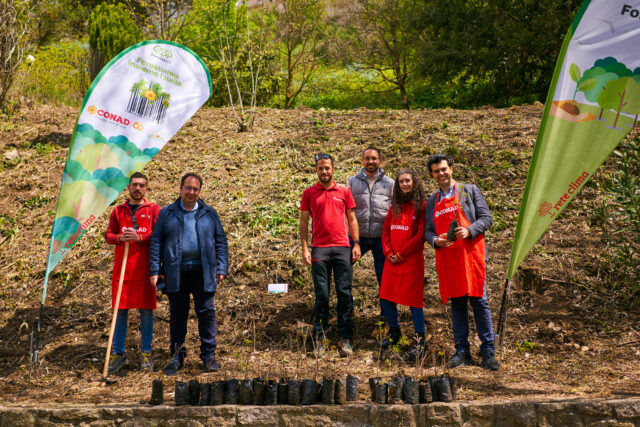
x=278, y=288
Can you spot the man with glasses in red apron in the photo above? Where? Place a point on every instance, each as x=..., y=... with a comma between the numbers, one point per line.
x=461, y=258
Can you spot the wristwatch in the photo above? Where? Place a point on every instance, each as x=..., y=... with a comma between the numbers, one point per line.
x=356, y=242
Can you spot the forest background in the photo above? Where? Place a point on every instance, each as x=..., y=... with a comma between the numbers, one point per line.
x=316, y=53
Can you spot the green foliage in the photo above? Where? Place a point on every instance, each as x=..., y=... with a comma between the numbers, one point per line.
x=111, y=30
x=502, y=51
x=9, y=226
x=276, y=220
x=620, y=219
x=58, y=75
x=208, y=32
x=346, y=88
x=525, y=346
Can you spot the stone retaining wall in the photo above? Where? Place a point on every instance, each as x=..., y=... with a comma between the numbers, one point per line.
x=575, y=412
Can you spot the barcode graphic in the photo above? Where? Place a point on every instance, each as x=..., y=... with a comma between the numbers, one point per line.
x=143, y=107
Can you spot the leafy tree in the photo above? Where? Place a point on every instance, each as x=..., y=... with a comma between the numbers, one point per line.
x=238, y=49
x=111, y=30
x=385, y=40
x=616, y=95
x=62, y=20
x=301, y=29
x=17, y=19
x=162, y=19
x=506, y=48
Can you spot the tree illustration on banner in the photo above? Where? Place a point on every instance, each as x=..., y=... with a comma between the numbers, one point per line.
x=616, y=95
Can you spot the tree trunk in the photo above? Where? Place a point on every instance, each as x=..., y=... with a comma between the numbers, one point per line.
x=403, y=96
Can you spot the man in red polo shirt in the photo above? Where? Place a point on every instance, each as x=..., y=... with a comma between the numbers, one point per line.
x=330, y=207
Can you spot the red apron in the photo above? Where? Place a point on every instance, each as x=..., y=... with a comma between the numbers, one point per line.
x=461, y=266
x=137, y=291
x=403, y=282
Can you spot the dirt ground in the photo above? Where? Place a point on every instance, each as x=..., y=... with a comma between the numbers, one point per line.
x=567, y=333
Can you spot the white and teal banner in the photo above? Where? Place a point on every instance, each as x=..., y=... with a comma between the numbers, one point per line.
x=134, y=106
x=593, y=103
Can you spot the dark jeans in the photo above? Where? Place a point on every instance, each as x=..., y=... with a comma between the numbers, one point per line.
x=460, y=319
x=375, y=246
x=191, y=282
x=390, y=310
x=324, y=262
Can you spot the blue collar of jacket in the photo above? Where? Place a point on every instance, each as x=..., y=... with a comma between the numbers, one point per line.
x=363, y=175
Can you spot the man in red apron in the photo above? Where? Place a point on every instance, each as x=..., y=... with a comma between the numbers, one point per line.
x=461, y=262
x=132, y=222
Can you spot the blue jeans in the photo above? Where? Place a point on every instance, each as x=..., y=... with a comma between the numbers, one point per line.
x=334, y=260
x=390, y=310
x=460, y=319
x=122, y=323
x=192, y=282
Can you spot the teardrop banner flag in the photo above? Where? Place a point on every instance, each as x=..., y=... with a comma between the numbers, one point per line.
x=134, y=106
x=593, y=103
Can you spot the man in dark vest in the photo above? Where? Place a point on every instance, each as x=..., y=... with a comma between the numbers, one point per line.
x=371, y=191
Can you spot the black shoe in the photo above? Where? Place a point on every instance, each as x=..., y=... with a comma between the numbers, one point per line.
x=461, y=358
x=489, y=362
x=117, y=362
x=173, y=367
x=211, y=364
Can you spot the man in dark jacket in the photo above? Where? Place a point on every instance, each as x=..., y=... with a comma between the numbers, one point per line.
x=189, y=251
x=457, y=216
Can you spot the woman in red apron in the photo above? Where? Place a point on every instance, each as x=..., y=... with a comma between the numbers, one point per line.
x=403, y=245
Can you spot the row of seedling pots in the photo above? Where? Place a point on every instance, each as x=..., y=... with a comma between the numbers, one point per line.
x=439, y=388
x=260, y=392
x=329, y=391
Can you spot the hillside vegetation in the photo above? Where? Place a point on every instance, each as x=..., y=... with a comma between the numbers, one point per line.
x=567, y=333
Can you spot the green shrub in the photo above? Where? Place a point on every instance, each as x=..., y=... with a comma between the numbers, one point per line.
x=111, y=30
x=58, y=75
x=621, y=223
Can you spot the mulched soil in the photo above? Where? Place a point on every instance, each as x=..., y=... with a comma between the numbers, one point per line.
x=568, y=332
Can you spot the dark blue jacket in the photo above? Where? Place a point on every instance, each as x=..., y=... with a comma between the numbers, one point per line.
x=474, y=206
x=165, y=250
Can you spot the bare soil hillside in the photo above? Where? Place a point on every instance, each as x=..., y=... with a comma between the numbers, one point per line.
x=567, y=334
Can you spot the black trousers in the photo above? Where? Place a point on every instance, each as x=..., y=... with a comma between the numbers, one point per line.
x=191, y=282
x=334, y=260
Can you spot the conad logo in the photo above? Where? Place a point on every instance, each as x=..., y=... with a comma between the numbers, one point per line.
x=107, y=115
x=163, y=52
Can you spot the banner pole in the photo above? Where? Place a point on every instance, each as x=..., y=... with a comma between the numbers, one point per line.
x=34, y=356
x=502, y=318
x=115, y=312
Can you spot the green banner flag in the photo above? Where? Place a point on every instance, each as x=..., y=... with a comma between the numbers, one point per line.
x=140, y=99
x=593, y=103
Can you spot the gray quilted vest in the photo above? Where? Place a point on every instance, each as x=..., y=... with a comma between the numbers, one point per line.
x=371, y=205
